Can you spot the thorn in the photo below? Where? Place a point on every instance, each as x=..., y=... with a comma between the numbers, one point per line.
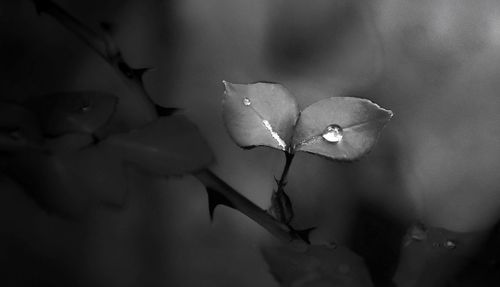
x=215, y=198
x=303, y=233
x=276, y=180
x=140, y=72
x=125, y=69
x=107, y=27
x=165, y=112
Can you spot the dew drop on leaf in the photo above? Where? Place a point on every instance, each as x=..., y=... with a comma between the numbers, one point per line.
x=333, y=134
x=247, y=102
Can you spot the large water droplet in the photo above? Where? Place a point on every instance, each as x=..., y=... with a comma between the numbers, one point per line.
x=450, y=244
x=333, y=134
x=247, y=102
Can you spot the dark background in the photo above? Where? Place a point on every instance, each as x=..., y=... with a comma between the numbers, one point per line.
x=434, y=63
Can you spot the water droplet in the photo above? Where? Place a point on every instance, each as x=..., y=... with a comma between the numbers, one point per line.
x=333, y=134
x=450, y=244
x=247, y=102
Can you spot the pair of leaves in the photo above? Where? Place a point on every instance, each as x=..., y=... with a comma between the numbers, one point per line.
x=266, y=114
x=316, y=266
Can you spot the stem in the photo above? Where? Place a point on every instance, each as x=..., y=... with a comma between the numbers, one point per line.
x=284, y=174
x=245, y=206
x=281, y=205
x=103, y=45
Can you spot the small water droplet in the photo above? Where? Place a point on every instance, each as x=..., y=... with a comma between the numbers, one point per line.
x=247, y=102
x=333, y=134
x=450, y=244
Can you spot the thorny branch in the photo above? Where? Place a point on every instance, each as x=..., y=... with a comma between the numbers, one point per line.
x=103, y=45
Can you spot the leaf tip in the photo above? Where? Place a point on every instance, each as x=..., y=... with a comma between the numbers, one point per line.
x=228, y=87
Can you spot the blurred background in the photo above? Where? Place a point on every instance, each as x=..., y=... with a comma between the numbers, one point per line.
x=435, y=64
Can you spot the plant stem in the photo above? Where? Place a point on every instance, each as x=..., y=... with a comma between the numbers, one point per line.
x=245, y=206
x=281, y=205
x=103, y=45
x=284, y=174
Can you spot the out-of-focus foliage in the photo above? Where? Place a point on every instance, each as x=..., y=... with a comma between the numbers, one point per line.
x=316, y=266
x=170, y=145
x=74, y=112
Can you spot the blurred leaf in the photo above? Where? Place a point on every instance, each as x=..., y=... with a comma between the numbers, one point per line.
x=103, y=174
x=71, y=112
x=317, y=265
x=169, y=145
x=19, y=128
x=68, y=143
x=341, y=128
x=432, y=256
x=259, y=114
x=69, y=183
x=48, y=181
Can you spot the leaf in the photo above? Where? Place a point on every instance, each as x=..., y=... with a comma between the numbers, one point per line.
x=71, y=112
x=19, y=128
x=101, y=173
x=169, y=145
x=318, y=265
x=433, y=256
x=68, y=143
x=261, y=114
x=48, y=181
x=69, y=184
x=340, y=128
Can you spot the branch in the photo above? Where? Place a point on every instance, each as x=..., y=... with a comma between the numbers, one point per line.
x=234, y=199
x=103, y=45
